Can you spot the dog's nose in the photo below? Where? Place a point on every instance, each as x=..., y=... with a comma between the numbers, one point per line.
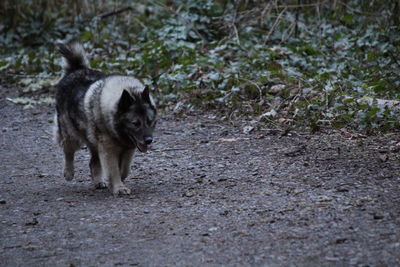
x=148, y=140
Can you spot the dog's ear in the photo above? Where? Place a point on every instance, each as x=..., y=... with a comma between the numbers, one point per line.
x=125, y=101
x=146, y=94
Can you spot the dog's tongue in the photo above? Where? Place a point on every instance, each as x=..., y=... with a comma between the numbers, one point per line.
x=142, y=148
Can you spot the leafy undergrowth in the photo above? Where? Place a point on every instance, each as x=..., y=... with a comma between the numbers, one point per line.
x=317, y=64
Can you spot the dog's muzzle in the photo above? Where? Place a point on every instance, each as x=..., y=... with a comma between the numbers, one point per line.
x=148, y=140
x=144, y=147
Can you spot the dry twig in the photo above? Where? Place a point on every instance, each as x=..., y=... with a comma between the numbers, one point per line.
x=115, y=12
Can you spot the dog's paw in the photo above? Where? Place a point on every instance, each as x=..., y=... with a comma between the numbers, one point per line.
x=121, y=190
x=68, y=174
x=100, y=185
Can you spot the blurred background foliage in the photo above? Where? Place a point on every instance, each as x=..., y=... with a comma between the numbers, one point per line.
x=288, y=63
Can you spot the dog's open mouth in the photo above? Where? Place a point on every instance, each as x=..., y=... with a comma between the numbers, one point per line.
x=142, y=147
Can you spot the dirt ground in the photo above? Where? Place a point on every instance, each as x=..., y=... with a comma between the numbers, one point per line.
x=207, y=194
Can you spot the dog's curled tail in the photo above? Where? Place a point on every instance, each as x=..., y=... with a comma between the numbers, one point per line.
x=74, y=55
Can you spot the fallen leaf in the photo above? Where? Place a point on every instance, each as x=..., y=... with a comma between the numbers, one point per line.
x=248, y=129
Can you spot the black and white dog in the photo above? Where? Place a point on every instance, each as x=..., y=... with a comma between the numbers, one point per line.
x=112, y=114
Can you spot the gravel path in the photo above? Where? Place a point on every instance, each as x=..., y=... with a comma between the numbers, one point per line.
x=206, y=195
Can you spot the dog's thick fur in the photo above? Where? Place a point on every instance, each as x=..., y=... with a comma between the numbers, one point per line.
x=112, y=114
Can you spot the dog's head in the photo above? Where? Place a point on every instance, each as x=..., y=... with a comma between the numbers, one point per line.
x=136, y=118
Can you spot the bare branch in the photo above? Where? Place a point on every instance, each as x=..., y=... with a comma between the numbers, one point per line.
x=115, y=12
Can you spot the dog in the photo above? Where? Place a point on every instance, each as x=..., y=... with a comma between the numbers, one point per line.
x=113, y=115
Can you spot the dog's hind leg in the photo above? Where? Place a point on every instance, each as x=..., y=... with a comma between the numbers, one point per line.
x=95, y=170
x=69, y=147
x=125, y=163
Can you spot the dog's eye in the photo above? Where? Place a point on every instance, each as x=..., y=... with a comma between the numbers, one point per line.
x=136, y=123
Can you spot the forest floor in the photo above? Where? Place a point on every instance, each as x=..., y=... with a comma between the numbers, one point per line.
x=207, y=194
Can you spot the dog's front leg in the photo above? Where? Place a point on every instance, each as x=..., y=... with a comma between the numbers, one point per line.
x=109, y=159
x=95, y=170
x=125, y=162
